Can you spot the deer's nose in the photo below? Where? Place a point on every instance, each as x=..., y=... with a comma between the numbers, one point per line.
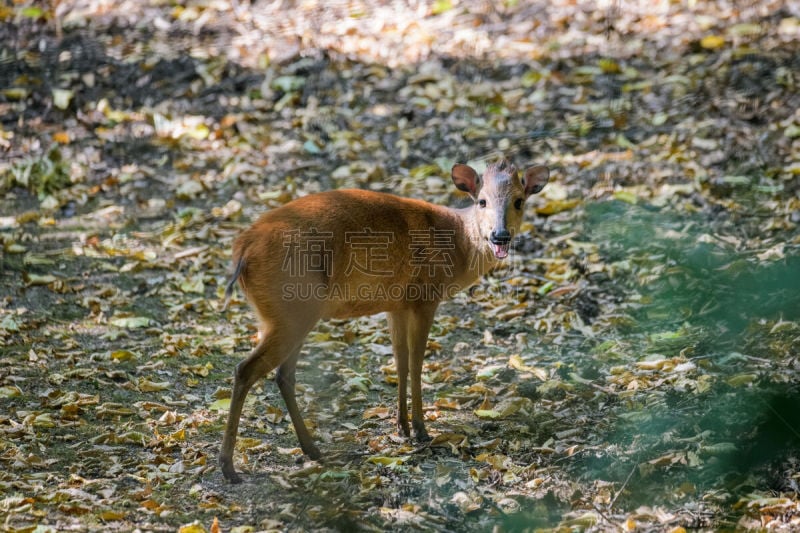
x=500, y=236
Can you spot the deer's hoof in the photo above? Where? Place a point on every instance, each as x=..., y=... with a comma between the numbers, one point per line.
x=229, y=472
x=312, y=452
x=402, y=429
x=420, y=434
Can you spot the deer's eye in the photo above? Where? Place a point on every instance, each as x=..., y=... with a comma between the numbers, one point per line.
x=518, y=203
x=482, y=202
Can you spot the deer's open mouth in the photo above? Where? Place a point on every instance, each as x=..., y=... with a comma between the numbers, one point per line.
x=500, y=250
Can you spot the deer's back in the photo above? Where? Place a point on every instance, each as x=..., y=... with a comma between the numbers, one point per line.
x=350, y=253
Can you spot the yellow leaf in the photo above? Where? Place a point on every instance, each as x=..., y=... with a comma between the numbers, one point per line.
x=223, y=404
x=153, y=505
x=36, y=279
x=287, y=451
x=61, y=137
x=486, y=404
x=377, y=412
x=15, y=93
x=556, y=206
x=200, y=370
x=110, y=516
x=229, y=210
x=505, y=409
x=145, y=385
x=16, y=248
x=712, y=42
x=62, y=97
x=746, y=29
x=44, y=420
x=199, y=132
x=169, y=417
x=122, y=355
x=655, y=364
x=386, y=461
x=478, y=388
x=659, y=119
x=448, y=438
x=516, y=362
x=246, y=443
x=446, y=403
x=626, y=196
x=274, y=414
x=134, y=437
x=194, y=527
x=193, y=285
x=609, y=66
x=10, y=391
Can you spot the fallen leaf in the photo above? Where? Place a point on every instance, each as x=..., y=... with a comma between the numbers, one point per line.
x=62, y=98
x=712, y=42
x=131, y=322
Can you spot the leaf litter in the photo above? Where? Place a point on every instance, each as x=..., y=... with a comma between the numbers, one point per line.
x=634, y=366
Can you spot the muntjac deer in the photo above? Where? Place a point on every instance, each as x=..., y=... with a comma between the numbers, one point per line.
x=350, y=253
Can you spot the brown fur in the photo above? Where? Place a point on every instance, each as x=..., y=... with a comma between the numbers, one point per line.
x=272, y=277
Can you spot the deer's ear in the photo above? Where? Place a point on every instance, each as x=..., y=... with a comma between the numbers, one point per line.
x=466, y=179
x=535, y=179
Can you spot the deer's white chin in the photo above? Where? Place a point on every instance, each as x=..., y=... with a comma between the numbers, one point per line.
x=500, y=250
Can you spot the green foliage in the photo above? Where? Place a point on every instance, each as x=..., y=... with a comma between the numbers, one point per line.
x=42, y=174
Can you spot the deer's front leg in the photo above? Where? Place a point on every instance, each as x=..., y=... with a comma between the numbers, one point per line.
x=398, y=325
x=420, y=322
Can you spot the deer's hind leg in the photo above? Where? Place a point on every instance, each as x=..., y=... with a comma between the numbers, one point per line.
x=279, y=344
x=398, y=326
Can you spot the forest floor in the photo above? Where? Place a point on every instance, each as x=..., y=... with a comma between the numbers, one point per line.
x=634, y=366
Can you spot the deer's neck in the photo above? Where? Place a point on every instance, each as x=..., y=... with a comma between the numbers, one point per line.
x=478, y=257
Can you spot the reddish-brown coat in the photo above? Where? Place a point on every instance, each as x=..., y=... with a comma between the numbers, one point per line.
x=329, y=224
